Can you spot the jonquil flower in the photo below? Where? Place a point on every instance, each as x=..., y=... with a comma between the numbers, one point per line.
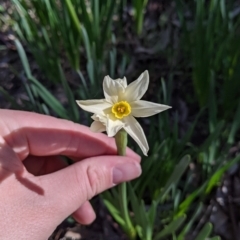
x=120, y=107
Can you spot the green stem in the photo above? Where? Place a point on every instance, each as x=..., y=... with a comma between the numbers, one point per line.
x=121, y=142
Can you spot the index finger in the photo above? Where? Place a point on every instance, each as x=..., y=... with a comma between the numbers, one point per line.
x=35, y=134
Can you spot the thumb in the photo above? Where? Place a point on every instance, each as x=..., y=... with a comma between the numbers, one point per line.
x=66, y=190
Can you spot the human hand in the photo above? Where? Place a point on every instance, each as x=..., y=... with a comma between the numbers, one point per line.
x=37, y=188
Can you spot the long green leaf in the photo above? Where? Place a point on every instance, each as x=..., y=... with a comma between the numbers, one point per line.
x=204, y=233
x=50, y=100
x=176, y=175
x=171, y=228
x=219, y=173
x=73, y=15
x=188, y=225
x=114, y=212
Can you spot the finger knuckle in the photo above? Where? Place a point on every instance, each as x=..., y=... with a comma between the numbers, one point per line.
x=94, y=179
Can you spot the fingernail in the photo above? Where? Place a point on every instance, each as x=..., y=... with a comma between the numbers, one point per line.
x=126, y=172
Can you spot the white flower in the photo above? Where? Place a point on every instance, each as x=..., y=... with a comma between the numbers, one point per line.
x=121, y=104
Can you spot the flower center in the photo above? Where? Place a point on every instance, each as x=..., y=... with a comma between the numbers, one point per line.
x=121, y=109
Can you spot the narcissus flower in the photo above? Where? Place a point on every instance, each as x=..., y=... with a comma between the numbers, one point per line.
x=120, y=107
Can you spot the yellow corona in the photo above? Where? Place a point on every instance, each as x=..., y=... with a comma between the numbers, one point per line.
x=121, y=109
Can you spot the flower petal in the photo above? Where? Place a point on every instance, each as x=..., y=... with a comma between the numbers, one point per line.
x=123, y=82
x=100, y=118
x=113, y=125
x=143, y=108
x=136, y=89
x=94, y=106
x=134, y=129
x=113, y=89
x=97, y=126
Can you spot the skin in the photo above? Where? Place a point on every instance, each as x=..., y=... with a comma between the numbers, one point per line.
x=38, y=190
